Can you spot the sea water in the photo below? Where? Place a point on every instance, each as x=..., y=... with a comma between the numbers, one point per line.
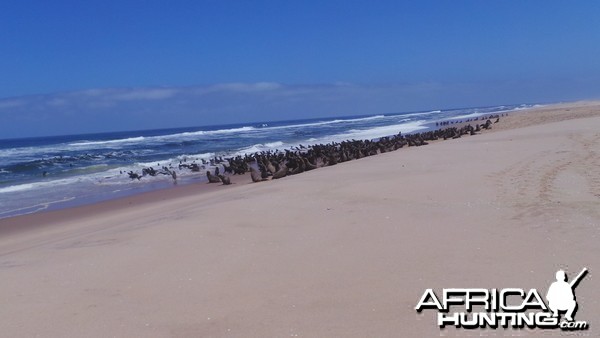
x=55, y=172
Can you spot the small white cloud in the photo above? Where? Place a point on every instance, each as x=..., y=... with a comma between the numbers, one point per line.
x=11, y=103
x=145, y=94
x=57, y=102
x=93, y=92
x=241, y=87
x=344, y=84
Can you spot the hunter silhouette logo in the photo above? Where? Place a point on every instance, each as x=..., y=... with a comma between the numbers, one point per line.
x=560, y=295
x=510, y=307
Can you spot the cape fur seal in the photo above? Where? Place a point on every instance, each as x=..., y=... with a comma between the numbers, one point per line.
x=225, y=180
x=270, y=167
x=256, y=176
x=212, y=178
x=282, y=172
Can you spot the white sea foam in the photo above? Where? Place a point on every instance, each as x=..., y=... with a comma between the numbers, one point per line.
x=14, y=155
x=376, y=132
x=167, y=161
x=322, y=123
x=421, y=113
x=94, y=143
x=259, y=147
x=163, y=138
x=18, y=187
x=274, y=144
x=41, y=184
x=468, y=116
x=34, y=208
x=204, y=156
x=528, y=106
x=217, y=132
x=91, y=168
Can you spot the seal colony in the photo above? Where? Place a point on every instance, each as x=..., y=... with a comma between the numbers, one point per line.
x=278, y=164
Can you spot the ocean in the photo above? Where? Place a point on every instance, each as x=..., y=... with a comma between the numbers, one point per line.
x=47, y=173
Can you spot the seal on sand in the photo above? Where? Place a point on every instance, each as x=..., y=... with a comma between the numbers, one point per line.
x=226, y=180
x=212, y=178
x=282, y=172
x=256, y=176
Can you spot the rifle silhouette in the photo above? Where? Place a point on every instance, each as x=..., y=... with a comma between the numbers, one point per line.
x=576, y=280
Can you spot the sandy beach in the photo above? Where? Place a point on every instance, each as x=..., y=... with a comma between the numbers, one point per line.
x=345, y=250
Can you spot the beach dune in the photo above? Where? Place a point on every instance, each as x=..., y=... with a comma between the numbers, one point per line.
x=341, y=251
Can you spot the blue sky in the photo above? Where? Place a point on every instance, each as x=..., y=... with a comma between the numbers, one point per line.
x=90, y=66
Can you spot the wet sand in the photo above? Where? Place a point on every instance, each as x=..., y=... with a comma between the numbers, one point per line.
x=342, y=250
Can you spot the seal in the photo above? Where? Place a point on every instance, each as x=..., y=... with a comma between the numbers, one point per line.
x=226, y=180
x=212, y=178
x=256, y=176
x=282, y=172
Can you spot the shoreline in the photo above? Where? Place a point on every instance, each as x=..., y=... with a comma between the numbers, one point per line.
x=148, y=195
x=346, y=250
x=515, y=119
x=22, y=222
x=35, y=195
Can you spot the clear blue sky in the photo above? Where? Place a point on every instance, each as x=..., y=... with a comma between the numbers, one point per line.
x=74, y=60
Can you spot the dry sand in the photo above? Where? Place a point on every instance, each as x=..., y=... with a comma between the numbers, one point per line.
x=340, y=251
